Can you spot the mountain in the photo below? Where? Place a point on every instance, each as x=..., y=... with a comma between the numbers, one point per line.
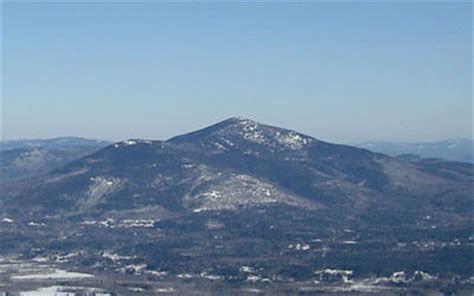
x=235, y=163
x=452, y=149
x=242, y=204
x=25, y=158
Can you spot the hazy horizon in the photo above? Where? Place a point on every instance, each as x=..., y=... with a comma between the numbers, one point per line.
x=340, y=72
x=210, y=124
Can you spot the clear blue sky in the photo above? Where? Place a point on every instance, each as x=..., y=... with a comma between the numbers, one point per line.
x=342, y=72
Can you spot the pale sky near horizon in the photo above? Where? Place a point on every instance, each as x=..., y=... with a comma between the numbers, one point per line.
x=342, y=72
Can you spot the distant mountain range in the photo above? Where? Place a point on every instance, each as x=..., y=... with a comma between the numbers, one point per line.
x=52, y=143
x=24, y=158
x=452, y=149
x=241, y=193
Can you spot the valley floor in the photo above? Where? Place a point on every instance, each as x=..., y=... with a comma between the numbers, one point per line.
x=218, y=253
x=33, y=278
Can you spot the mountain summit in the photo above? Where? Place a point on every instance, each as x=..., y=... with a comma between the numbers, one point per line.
x=239, y=132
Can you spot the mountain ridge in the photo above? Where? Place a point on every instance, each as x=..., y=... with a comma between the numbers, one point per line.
x=51, y=143
x=456, y=149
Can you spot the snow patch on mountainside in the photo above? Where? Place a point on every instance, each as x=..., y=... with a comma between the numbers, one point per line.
x=131, y=142
x=292, y=140
x=100, y=187
x=251, y=132
x=237, y=190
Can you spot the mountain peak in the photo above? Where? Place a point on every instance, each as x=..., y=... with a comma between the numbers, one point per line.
x=235, y=121
x=245, y=133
